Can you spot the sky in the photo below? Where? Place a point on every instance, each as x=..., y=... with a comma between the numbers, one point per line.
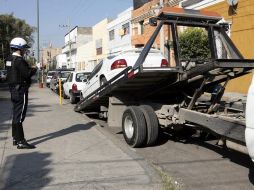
x=56, y=13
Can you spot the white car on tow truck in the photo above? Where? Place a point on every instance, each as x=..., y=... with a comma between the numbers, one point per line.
x=110, y=67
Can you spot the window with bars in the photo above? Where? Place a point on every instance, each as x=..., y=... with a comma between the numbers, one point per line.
x=126, y=28
x=111, y=35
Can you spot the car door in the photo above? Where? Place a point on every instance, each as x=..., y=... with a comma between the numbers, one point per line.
x=53, y=81
x=93, y=82
x=67, y=84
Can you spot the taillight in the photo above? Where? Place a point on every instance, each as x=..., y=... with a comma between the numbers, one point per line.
x=164, y=63
x=74, y=87
x=121, y=63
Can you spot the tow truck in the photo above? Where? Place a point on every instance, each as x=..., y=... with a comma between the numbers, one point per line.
x=189, y=93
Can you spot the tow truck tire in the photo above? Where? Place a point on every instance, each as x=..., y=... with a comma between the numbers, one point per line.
x=134, y=126
x=152, y=125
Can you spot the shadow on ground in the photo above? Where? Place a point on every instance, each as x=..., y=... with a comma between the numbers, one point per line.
x=234, y=156
x=62, y=132
x=26, y=171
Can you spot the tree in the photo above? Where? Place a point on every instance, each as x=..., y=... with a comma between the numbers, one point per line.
x=194, y=44
x=11, y=27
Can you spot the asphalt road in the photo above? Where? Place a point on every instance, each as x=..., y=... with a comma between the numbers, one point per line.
x=195, y=164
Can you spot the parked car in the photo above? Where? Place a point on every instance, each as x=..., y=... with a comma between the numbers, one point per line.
x=59, y=75
x=3, y=75
x=249, y=131
x=73, y=85
x=110, y=67
x=49, y=76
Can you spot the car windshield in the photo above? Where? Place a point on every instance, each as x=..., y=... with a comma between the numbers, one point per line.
x=81, y=76
x=4, y=72
x=51, y=73
x=64, y=74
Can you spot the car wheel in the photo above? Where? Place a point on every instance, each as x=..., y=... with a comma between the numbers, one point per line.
x=81, y=97
x=72, y=99
x=64, y=95
x=152, y=125
x=134, y=126
x=103, y=81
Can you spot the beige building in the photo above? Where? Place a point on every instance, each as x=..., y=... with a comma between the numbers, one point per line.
x=100, y=40
x=85, y=54
x=91, y=53
x=47, y=56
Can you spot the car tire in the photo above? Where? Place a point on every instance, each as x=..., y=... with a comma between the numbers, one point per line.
x=81, y=97
x=72, y=98
x=152, y=124
x=103, y=81
x=134, y=126
x=64, y=95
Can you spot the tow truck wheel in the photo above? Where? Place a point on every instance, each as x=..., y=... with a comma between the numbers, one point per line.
x=134, y=126
x=152, y=125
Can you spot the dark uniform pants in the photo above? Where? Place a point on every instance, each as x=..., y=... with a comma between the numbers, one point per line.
x=19, y=98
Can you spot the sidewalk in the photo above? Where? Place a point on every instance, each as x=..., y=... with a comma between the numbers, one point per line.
x=72, y=151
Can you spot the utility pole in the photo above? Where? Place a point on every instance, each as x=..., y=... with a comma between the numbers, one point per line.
x=69, y=31
x=38, y=32
x=38, y=46
x=69, y=39
x=3, y=54
x=3, y=50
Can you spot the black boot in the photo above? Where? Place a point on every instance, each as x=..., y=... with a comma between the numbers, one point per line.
x=14, y=142
x=25, y=145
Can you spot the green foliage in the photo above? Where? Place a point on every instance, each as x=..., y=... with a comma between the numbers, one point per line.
x=11, y=27
x=194, y=44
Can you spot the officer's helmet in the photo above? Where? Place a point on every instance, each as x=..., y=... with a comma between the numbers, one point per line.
x=19, y=43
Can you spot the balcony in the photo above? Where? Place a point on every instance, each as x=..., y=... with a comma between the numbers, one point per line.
x=67, y=47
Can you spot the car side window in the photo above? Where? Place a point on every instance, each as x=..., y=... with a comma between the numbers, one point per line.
x=70, y=77
x=96, y=70
x=55, y=75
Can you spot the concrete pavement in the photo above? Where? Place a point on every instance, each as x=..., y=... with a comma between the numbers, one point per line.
x=72, y=151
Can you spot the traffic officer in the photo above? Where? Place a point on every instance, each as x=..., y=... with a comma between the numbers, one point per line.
x=19, y=79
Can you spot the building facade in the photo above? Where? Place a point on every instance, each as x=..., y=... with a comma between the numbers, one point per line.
x=141, y=29
x=75, y=38
x=240, y=18
x=47, y=56
x=101, y=38
x=119, y=32
x=85, y=53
